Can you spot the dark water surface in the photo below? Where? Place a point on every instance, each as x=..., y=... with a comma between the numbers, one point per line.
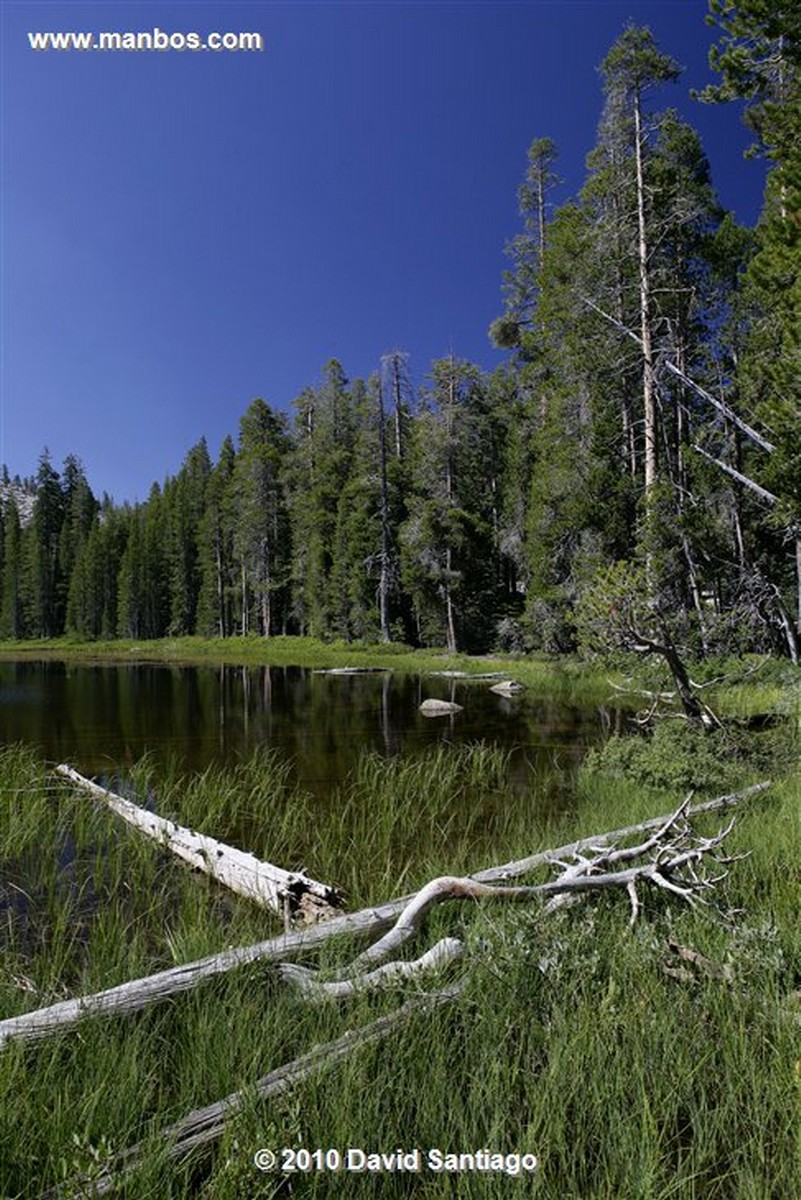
x=101, y=719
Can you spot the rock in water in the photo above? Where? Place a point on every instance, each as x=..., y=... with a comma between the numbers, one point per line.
x=507, y=688
x=438, y=708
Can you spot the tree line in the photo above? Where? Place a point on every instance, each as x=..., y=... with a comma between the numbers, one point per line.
x=644, y=434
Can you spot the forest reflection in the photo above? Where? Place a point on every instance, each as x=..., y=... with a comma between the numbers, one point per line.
x=106, y=717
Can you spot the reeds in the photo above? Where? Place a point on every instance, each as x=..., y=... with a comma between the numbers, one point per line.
x=571, y=1041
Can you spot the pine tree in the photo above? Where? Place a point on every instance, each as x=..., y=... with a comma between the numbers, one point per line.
x=93, y=602
x=184, y=499
x=447, y=559
x=631, y=68
x=216, y=549
x=80, y=514
x=759, y=59
x=318, y=472
x=143, y=595
x=44, y=586
x=12, y=618
x=261, y=529
x=513, y=329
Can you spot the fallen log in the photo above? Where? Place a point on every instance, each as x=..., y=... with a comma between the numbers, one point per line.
x=137, y=994
x=351, y=670
x=468, y=676
x=205, y=1125
x=293, y=895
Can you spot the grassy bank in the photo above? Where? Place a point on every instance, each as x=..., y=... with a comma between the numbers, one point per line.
x=566, y=675
x=570, y=1041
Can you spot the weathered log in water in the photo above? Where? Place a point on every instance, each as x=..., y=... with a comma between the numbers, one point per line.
x=467, y=676
x=351, y=670
x=293, y=895
x=135, y=995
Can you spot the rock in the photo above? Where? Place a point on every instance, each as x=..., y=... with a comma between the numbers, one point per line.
x=509, y=687
x=438, y=708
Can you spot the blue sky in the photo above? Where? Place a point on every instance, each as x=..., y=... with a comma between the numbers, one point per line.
x=183, y=232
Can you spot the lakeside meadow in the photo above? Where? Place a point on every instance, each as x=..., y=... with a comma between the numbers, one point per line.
x=659, y=1060
x=400, y=757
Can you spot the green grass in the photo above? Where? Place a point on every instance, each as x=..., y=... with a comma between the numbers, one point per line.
x=565, y=677
x=570, y=1041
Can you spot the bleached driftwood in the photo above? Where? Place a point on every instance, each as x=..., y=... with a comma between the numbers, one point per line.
x=445, y=951
x=206, y=1125
x=137, y=994
x=672, y=854
x=351, y=670
x=293, y=895
x=466, y=675
x=439, y=708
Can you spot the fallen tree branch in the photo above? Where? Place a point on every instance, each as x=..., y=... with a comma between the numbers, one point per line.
x=206, y=1125
x=722, y=407
x=307, y=981
x=671, y=857
x=292, y=895
x=137, y=994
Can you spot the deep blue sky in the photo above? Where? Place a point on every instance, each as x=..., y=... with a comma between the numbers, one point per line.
x=182, y=232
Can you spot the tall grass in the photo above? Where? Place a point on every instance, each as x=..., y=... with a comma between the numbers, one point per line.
x=570, y=1042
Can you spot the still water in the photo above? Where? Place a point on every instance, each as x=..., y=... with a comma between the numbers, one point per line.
x=101, y=719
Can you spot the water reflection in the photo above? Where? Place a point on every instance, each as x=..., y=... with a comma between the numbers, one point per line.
x=102, y=718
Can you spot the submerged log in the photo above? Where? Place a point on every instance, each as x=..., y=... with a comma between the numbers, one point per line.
x=351, y=670
x=291, y=894
x=467, y=676
x=137, y=994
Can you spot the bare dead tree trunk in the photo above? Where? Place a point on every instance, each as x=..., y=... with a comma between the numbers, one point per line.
x=450, y=622
x=290, y=894
x=649, y=374
x=396, y=383
x=383, y=579
x=245, y=616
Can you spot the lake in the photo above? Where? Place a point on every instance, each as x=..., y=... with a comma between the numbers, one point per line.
x=103, y=718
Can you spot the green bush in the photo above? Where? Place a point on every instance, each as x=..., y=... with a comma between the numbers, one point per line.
x=676, y=756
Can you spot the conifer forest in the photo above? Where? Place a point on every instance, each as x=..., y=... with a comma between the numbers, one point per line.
x=632, y=470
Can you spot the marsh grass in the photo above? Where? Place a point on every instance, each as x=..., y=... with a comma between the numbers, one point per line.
x=570, y=1041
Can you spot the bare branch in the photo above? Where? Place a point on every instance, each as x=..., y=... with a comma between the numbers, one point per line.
x=763, y=493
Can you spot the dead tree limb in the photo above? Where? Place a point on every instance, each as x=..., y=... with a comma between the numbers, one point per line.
x=445, y=951
x=292, y=895
x=674, y=852
x=721, y=405
x=206, y=1125
x=137, y=994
